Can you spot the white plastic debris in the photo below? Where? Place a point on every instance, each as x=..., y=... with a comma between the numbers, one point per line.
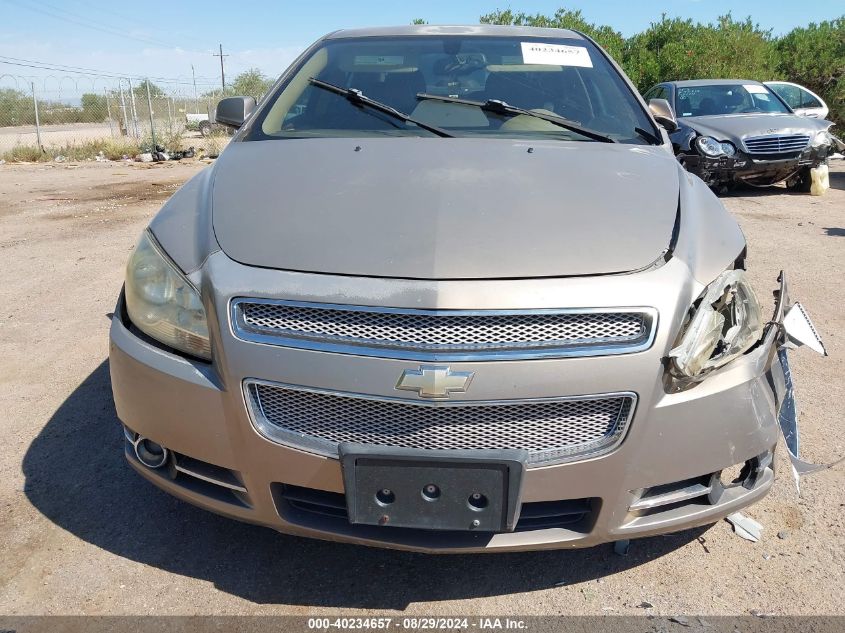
x=744, y=526
x=800, y=330
x=819, y=180
x=146, y=157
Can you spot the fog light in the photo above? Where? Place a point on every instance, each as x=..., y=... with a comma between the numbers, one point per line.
x=150, y=454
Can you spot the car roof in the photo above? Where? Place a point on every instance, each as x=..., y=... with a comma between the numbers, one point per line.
x=488, y=30
x=692, y=83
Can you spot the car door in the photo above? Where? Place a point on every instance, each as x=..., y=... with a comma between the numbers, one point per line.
x=801, y=100
x=812, y=105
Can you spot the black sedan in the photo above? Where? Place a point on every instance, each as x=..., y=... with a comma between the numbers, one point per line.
x=734, y=130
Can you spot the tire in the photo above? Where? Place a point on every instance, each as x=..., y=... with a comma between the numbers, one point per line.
x=205, y=128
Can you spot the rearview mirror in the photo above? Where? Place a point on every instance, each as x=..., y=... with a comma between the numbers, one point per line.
x=233, y=111
x=663, y=114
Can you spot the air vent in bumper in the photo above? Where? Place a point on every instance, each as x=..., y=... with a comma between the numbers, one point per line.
x=307, y=506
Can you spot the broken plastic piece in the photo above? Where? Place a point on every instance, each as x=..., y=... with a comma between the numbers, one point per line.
x=788, y=420
x=819, y=180
x=745, y=527
x=800, y=330
x=621, y=547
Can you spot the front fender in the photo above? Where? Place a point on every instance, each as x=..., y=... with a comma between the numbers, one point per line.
x=183, y=225
x=709, y=238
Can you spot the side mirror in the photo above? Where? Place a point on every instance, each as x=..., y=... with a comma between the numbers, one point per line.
x=663, y=114
x=233, y=111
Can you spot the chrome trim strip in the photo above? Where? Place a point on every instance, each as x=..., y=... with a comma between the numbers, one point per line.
x=271, y=432
x=244, y=332
x=211, y=480
x=668, y=498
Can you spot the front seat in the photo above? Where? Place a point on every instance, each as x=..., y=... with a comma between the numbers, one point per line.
x=706, y=106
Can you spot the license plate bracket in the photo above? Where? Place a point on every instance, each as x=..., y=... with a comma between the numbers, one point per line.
x=433, y=489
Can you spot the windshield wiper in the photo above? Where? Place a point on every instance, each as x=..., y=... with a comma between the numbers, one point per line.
x=360, y=99
x=650, y=138
x=498, y=106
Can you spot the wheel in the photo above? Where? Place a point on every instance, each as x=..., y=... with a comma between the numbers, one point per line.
x=205, y=128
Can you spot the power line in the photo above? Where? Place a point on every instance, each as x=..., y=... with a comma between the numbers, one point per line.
x=79, y=20
x=26, y=63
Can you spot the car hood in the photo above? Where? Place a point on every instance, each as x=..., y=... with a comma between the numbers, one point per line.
x=421, y=208
x=735, y=127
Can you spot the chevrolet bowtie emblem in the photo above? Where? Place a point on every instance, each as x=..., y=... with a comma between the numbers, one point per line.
x=434, y=382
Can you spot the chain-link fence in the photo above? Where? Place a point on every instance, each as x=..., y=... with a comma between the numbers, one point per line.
x=57, y=118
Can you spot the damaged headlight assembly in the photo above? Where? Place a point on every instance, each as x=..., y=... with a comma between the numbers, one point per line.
x=163, y=303
x=710, y=147
x=726, y=323
x=821, y=139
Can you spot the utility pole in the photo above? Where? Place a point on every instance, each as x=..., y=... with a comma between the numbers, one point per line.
x=37, y=121
x=196, y=100
x=152, y=123
x=222, y=74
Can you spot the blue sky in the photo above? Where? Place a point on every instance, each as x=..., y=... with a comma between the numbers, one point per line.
x=163, y=39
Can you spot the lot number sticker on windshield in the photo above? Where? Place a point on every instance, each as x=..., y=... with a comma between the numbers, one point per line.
x=555, y=54
x=755, y=89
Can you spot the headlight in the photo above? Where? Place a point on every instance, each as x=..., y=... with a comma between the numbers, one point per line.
x=728, y=149
x=727, y=322
x=162, y=303
x=709, y=146
x=821, y=138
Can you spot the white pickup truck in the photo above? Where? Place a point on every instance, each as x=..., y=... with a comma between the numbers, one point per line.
x=199, y=121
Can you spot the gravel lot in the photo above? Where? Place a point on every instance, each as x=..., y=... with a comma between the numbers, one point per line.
x=80, y=533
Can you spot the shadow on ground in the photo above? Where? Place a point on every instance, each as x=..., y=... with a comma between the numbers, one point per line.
x=76, y=476
x=837, y=179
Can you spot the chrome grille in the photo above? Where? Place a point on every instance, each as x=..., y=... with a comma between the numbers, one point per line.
x=550, y=430
x=776, y=144
x=442, y=334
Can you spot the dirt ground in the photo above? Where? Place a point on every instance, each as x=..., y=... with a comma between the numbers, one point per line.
x=80, y=533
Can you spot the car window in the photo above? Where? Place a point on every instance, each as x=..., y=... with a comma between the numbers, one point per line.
x=657, y=92
x=723, y=99
x=808, y=100
x=567, y=76
x=790, y=94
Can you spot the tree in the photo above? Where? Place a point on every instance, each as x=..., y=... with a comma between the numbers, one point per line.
x=609, y=39
x=94, y=108
x=814, y=56
x=15, y=108
x=418, y=21
x=250, y=83
x=141, y=90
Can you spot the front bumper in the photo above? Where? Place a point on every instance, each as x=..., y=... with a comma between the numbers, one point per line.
x=662, y=478
x=749, y=169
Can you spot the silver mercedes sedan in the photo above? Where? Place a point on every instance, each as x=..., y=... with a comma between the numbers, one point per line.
x=448, y=289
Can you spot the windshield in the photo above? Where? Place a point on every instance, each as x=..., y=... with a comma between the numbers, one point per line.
x=720, y=99
x=566, y=77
